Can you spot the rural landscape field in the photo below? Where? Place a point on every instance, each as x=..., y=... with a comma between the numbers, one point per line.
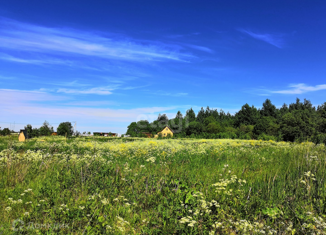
x=96, y=185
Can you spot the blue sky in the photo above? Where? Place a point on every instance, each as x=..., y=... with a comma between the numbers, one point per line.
x=105, y=64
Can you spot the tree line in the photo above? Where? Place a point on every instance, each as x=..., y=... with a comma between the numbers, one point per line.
x=299, y=121
x=64, y=128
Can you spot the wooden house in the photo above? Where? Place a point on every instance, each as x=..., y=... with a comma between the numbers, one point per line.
x=54, y=133
x=149, y=135
x=166, y=130
x=23, y=135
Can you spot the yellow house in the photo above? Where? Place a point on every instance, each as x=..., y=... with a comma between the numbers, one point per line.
x=22, y=135
x=166, y=130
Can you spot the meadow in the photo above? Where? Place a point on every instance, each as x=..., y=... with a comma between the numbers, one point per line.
x=96, y=185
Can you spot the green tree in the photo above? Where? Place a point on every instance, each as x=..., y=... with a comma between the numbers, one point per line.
x=35, y=132
x=268, y=109
x=296, y=125
x=209, y=120
x=29, y=130
x=194, y=128
x=46, y=130
x=213, y=128
x=133, y=129
x=162, y=121
x=6, y=131
x=267, y=125
x=190, y=115
x=65, y=127
x=247, y=116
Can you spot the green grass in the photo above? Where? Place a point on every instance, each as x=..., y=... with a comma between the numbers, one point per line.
x=143, y=186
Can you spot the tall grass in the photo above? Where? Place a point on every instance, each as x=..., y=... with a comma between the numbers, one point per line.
x=162, y=187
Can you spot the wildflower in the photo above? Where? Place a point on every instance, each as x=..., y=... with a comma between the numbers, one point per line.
x=38, y=205
x=26, y=213
x=141, y=166
x=81, y=207
x=19, y=201
x=151, y=159
x=22, y=194
x=105, y=201
x=42, y=200
x=192, y=223
x=8, y=209
x=307, y=174
x=88, y=215
x=127, y=204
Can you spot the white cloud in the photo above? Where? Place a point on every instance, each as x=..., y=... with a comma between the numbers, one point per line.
x=275, y=40
x=300, y=89
x=18, y=36
x=42, y=61
x=93, y=91
x=29, y=105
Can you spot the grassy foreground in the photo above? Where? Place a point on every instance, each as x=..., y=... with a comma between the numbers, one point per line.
x=146, y=186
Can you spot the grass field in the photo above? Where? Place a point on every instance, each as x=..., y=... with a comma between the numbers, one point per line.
x=145, y=186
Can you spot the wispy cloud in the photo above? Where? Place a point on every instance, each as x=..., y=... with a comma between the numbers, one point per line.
x=200, y=48
x=90, y=91
x=178, y=94
x=275, y=40
x=91, y=103
x=11, y=97
x=20, y=36
x=42, y=61
x=16, y=102
x=300, y=89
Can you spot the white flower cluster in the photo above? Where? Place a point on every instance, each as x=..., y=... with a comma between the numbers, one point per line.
x=188, y=220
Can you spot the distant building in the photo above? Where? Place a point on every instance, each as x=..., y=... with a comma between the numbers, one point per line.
x=110, y=134
x=23, y=135
x=165, y=132
x=54, y=133
x=149, y=135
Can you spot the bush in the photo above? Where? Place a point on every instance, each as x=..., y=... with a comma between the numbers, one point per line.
x=265, y=137
x=319, y=139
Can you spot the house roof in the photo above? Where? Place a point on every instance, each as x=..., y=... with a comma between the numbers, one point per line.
x=167, y=127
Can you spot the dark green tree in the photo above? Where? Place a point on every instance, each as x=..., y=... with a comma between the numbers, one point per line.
x=247, y=116
x=266, y=125
x=6, y=131
x=46, y=130
x=65, y=127
x=133, y=129
x=162, y=120
x=297, y=125
x=209, y=120
x=268, y=109
x=201, y=116
x=35, y=132
x=190, y=115
x=29, y=130
x=194, y=128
